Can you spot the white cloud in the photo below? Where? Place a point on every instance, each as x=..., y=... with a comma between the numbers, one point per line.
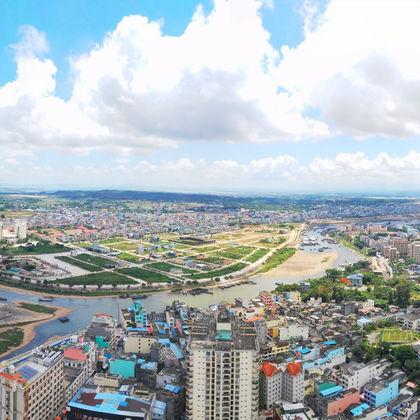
x=283, y=173
x=140, y=90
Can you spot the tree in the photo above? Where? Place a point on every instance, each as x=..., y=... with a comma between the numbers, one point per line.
x=403, y=353
x=403, y=292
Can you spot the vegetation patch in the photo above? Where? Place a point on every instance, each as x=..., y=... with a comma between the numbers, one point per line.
x=164, y=266
x=218, y=273
x=38, y=308
x=95, y=260
x=128, y=257
x=258, y=254
x=83, y=244
x=124, y=246
x=80, y=264
x=98, y=279
x=10, y=338
x=396, y=336
x=39, y=248
x=278, y=257
x=235, y=252
x=111, y=241
x=145, y=275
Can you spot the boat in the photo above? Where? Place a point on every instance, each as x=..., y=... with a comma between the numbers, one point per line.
x=3, y=299
x=63, y=319
x=139, y=297
x=124, y=296
x=45, y=299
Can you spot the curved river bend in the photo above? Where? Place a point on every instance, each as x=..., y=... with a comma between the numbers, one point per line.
x=86, y=308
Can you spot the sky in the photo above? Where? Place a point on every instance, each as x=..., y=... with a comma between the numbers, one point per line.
x=220, y=95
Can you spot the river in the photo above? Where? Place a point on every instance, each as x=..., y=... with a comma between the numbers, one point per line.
x=86, y=308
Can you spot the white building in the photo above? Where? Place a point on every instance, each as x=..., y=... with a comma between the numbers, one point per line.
x=293, y=331
x=356, y=375
x=282, y=383
x=20, y=229
x=33, y=389
x=222, y=370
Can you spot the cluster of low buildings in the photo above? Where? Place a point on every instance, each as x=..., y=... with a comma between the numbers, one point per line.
x=271, y=356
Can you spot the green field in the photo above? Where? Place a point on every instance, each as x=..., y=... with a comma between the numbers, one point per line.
x=124, y=246
x=97, y=279
x=218, y=273
x=111, y=241
x=12, y=337
x=257, y=255
x=279, y=257
x=40, y=248
x=146, y=275
x=397, y=336
x=95, y=260
x=37, y=308
x=234, y=252
x=80, y=264
x=212, y=260
x=164, y=266
x=83, y=244
x=128, y=257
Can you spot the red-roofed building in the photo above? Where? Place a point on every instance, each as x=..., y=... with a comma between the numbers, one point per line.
x=79, y=364
x=294, y=368
x=282, y=382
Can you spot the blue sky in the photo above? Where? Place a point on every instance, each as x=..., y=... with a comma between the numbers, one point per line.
x=233, y=94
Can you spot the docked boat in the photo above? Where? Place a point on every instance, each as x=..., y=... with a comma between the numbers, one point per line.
x=126, y=296
x=63, y=319
x=3, y=299
x=139, y=297
x=45, y=299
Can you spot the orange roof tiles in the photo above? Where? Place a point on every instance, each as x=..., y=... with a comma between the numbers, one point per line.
x=268, y=369
x=254, y=318
x=294, y=368
x=75, y=354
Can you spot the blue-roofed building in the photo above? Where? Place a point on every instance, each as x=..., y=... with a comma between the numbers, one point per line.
x=112, y=406
x=146, y=373
x=123, y=367
x=356, y=279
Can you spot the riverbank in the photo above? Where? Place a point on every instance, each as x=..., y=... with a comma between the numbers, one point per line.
x=35, y=319
x=303, y=264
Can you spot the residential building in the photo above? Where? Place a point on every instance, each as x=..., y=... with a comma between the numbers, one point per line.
x=357, y=375
x=222, y=369
x=282, y=382
x=33, y=389
x=383, y=389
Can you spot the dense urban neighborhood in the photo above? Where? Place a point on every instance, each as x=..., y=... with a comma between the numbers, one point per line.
x=341, y=343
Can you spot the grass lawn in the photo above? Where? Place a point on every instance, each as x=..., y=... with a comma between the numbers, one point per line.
x=96, y=260
x=83, y=244
x=234, y=252
x=12, y=337
x=98, y=279
x=111, y=241
x=279, y=257
x=80, y=264
x=257, y=255
x=164, y=266
x=37, y=308
x=124, y=246
x=41, y=248
x=218, y=273
x=397, y=336
x=128, y=257
x=210, y=259
x=146, y=275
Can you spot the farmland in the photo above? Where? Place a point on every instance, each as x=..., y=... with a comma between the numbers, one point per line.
x=98, y=279
x=145, y=275
x=96, y=260
x=80, y=264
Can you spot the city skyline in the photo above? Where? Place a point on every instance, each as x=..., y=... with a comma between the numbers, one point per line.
x=231, y=95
